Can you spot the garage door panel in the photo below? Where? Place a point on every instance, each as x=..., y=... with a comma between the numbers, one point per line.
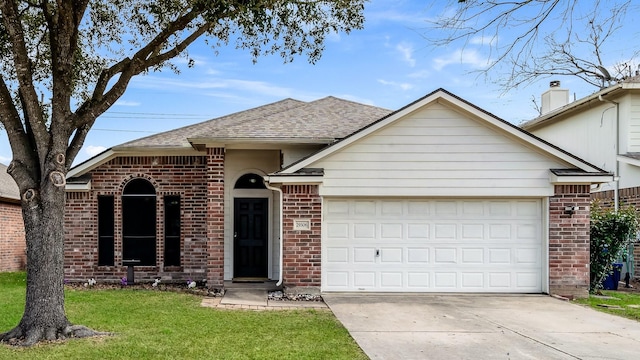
x=417, y=255
x=364, y=255
x=392, y=255
x=473, y=255
x=445, y=280
x=363, y=280
x=337, y=255
x=432, y=245
x=472, y=280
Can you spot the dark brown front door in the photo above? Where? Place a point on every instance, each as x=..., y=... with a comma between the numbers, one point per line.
x=250, y=237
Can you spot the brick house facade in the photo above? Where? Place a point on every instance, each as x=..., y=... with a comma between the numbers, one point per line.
x=12, y=242
x=222, y=209
x=12, y=238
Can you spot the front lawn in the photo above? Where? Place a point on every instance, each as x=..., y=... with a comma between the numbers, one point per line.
x=164, y=325
x=626, y=304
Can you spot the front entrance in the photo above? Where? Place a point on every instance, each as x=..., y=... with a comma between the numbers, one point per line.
x=250, y=237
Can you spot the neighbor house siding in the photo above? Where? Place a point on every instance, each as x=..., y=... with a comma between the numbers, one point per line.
x=185, y=176
x=634, y=122
x=591, y=135
x=569, y=241
x=12, y=241
x=437, y=152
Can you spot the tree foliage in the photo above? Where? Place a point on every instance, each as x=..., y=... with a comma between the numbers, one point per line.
x=533, y=39
x=63, y=63
x=611, y=233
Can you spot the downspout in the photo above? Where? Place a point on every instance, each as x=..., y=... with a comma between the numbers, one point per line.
x=616, y=176
x=281, y=231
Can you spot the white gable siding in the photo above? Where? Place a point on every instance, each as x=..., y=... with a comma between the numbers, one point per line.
x=633, y=105
x=437, y=152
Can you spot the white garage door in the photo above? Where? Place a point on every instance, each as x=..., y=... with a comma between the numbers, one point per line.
x=432, y=245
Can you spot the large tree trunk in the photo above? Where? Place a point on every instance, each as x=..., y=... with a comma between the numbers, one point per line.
x=44, y=316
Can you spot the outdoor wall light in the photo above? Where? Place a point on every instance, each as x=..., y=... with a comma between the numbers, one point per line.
x=571, y=209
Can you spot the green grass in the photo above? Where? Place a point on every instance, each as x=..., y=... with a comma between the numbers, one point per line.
x=625, y=304
x=164, y=325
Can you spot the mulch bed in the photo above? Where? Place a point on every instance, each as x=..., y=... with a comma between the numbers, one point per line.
x=173, y=287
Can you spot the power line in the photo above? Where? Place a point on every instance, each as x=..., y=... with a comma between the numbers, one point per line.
x=156, y=114
x=148, y=117
x=122, y=130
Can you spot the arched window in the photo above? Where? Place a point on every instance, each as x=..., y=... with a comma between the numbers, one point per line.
x=139, y=223
x=250, y=181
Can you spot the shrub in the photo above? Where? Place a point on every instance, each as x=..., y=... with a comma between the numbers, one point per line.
x=611, y=232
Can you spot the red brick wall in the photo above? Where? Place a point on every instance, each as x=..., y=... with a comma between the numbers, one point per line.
x=170, y=175
x=12, y=243
x=569, y=241
x=302, y=249
x=215, y=216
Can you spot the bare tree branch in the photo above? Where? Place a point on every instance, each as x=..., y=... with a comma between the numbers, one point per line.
x=525, y=37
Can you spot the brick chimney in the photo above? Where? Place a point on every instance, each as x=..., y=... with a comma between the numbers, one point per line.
x=554, y=98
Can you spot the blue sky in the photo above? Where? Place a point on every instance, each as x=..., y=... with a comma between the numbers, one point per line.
x=388, y=64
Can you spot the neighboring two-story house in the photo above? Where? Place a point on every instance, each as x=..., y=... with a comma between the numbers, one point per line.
x=604, y=129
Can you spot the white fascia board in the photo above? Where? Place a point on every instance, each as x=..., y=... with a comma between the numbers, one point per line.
x=78, y=187
x=556, y=115
x=294, y=179
x=91, y=163
x=580, y=179
x=628, y=160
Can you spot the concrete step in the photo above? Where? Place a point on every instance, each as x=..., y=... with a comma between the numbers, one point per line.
x=266, y=285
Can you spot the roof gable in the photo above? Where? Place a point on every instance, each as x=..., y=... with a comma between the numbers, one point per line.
x=452, y=101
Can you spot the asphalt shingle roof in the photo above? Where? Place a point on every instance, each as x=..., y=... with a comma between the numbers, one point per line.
x=8, y=187
x=325, y=119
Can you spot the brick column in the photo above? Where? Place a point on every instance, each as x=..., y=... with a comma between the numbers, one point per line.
x=569, y=241
x=215, y=217
x=302, y=248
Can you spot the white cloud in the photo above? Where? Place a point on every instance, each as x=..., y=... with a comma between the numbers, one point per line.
x=461, y=56
x=421, y=74
x=483, y=40
x=92, y=150
x=418, y=18
x=406, y=50
x=126, y=103
x=403, y=86
x=5, y=160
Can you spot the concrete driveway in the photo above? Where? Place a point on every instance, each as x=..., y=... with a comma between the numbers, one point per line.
x=451, y=327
